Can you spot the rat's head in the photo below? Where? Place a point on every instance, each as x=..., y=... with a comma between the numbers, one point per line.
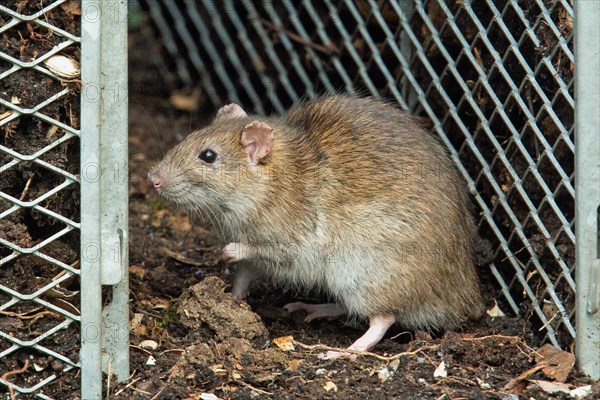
x=219, y=167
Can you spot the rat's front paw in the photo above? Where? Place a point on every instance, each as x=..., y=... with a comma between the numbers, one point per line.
x=234, y=252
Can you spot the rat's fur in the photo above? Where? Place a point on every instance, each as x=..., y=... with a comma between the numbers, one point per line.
x=354, y=198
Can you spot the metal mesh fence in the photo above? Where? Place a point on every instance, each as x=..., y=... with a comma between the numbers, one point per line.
x=495, y=77
x=39, y=191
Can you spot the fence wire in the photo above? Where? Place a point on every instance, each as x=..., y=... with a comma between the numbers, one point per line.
x=39, y=211
x=495, y=77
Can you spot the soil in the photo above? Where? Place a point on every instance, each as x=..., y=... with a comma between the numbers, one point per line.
x=29, y=228
x=189, y=339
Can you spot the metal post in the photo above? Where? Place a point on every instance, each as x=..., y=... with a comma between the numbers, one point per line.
x=104, y=333
x=587, y=178
x=91, y=301
x=114, y=187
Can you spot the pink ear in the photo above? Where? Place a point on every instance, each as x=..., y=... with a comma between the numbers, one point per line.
x=231, y=111
x=257, y=139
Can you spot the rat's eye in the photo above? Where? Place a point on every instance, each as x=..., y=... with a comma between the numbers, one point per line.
x=208, y=156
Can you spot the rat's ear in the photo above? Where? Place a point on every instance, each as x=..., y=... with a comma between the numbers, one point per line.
x=231, y=111
x=257, y=139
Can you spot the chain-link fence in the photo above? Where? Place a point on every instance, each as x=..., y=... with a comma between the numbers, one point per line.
x=39, y=206
x=495, y=77
x=50, y=301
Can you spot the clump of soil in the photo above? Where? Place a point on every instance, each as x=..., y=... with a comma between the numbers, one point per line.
x=206, y=303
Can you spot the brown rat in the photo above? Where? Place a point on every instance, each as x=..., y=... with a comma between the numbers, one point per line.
x=346, y=195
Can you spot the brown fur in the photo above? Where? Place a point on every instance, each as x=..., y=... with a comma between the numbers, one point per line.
x=354, y=198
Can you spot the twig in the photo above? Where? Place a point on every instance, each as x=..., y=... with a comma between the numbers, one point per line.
x=252, y=387
x=26, y=189
x=118, y=392
x=141, y=349
x=153, y=397
x=299, y=39
x=13, y=372
x=548, y=322
x=476, y=339
x=365, y=353
x=401, y=334
x=34, y=316
x=478, y=57
x=171, y=351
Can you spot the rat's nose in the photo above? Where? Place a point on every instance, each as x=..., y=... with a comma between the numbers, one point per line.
x=157, y=182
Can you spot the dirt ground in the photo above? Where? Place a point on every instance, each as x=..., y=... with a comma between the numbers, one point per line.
x=208, y=343
x=203, y=344
x=190, y=340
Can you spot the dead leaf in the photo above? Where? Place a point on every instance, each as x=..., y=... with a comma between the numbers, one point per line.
x=553, y=362
x=5, y=114
x=149, y=345
x=136, y=321
x=285, y=343
x=556, y=363
x=516, y=386
x=59, y=292
x=581, y=391
x=15, y=100
x=519, y=383
x=182, y=259
x=65, y=305
x=553, y=387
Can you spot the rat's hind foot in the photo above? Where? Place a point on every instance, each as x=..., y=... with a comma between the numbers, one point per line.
x=378, y=326
x=330, y=311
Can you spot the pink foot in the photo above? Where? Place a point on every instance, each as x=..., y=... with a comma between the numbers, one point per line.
x=241, y=281
x=330, y=311
x=378, y=326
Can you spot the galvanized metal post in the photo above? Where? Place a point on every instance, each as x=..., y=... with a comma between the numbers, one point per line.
x=587, y=178
x=104, y=177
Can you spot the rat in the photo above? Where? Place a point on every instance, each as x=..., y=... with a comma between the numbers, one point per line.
x=345, y=195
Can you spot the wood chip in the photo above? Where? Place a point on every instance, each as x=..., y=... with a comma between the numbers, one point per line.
x=285, y=343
